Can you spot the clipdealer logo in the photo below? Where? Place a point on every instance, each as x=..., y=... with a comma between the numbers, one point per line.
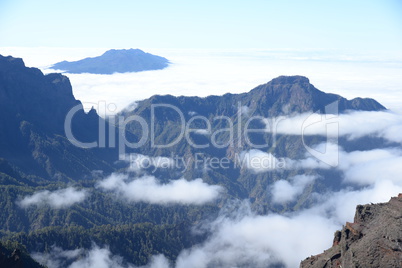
x=237, y=130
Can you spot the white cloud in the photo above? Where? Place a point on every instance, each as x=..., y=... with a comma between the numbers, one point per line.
x=359, y=167
x=95, y=257
x=56, y=257
x=245, y=110
x=369, y=167
x=202, y=132
x=149, y=189
x=57, y=199
x=259, y=161
x=357, y=124
x=284, y=191
x=247, y=240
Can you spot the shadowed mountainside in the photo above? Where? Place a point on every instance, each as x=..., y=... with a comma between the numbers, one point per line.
x=11, y=257
x=33, y=110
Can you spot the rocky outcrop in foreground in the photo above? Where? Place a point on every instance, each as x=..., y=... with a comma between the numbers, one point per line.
x=374, y=239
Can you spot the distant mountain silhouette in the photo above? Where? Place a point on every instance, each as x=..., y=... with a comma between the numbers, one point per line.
x=115, y=61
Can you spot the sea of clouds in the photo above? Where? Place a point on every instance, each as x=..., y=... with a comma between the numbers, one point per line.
x=196, y=72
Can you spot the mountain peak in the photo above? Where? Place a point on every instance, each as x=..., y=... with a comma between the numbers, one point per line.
x=297, y=94
x=294, y=79
x=12, y=61
x=131, y=51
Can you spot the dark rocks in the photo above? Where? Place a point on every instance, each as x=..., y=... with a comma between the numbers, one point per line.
x=15, y=258
x=374, y=239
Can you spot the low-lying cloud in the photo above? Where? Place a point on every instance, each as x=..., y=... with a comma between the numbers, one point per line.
x=359, y=167
x=284, y=191
x=249, y=240
x=260, y=162
x=96, y=257
x=148, y=189
x=61, y=198
x=240, y=238
x=353, y=125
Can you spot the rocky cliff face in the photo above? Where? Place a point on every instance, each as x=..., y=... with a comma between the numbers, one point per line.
x=33, y=108
x=27, y=94
x=374, y=239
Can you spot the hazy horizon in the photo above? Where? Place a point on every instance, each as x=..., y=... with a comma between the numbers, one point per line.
x=203, y=72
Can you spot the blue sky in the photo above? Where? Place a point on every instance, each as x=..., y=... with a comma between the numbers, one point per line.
x=355, y=25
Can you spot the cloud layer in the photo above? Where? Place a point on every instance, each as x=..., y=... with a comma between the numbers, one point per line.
x=245, y=239
x=96, y=257
x=149, y=189
x=206, y=72
x=57, y=199
x=284, y=191
x=240, y=238
x=353, y=125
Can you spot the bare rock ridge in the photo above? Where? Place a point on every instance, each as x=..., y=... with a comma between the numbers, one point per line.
x=374, y=239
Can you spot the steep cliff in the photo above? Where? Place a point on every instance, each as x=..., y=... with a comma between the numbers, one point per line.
x=374, y=239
